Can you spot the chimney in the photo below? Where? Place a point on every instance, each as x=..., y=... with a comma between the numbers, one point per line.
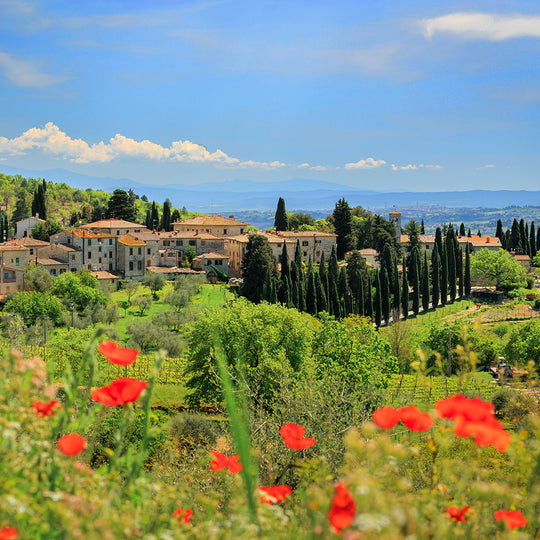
x=488, y=238
x=231, y=217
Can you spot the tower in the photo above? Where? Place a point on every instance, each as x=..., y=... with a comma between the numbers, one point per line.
x=395, y=218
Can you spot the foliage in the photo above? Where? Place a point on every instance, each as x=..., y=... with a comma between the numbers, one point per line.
x=260, y=342
x=37, y=278
x=281, y=221
x=258, y=263
x=79, y=289
x=342, y=221
x=33, y=305
x=523, y=343
x=142, y=303
x=43, y=231
x=121, y=205
x=155, y=282
x=498, y=267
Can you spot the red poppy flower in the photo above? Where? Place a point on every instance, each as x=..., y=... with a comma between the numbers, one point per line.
x=221, y=461
x=44, y=409
x=119, y=392
x=386, y=417
x=274, y=494
x=342, y=509
x=485, y=433
x=117, y=355
x=293, y=436
x=470, y=409
x=8, y=533
x=513, y=518
x=178, y=513
x=457, y=514
x=414, y=419
x=71, y=444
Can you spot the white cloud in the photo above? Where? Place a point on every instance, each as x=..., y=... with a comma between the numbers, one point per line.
x=411, y=167
x=368, y=163
x=312, y=167
x=24, y=73
x=483, y=26
x=52, y=141
x=490, y=166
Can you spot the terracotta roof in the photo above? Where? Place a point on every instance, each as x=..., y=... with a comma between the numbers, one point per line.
x=83, y=233
x=172, y=270
x=477, y=241
x=129, y=240
x=211, y=255
x=11, y=247
x=394, y=212
x=201, y=221
x=522, y=258
x=368, y=252
x=304, y=234
x=50, y=262
x=112, y=223
x=272, y=238
x=423, y=238
x=102, y=274
x=29, y=241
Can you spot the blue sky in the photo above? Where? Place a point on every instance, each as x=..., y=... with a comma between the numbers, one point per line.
x=417, y=95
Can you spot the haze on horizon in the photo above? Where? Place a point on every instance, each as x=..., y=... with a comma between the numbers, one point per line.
x=376, y=95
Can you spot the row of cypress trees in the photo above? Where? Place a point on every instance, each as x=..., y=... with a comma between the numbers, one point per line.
x=522, y=238
x=378, y=294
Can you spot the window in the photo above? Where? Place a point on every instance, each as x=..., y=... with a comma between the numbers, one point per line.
x=305, y=243
x=131, y=251
x=178, y=242
x=16, y=261
x=192, y=242
x=148, y=251
x=148, y=262
x=208, y=262
x=140, y=251
x=131, y=266
x=203, y=242
x=99, y=249
x=117, y=233
x=73, y=257
x=139, y=265
x=9, y=275
x=305, y=253
x=31, y=251
x=89, y=242
x=241, y=231
x=89, y=254
x=105, y=256
x=99, y=260
x=427, y=246
x=219, y=262
x=110, y=241
x=224, y=231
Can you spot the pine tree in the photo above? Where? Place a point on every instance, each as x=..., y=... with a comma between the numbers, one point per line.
x=405, y=293
x=342, y=217
x=377, y=304
x=435, y=278
x=467, y=277
x=21, y=210
x=321, y=295
x=281, y=220
x=425, y=284
x=444, y=276
x=385, y=297
x=38, y=202
x=285, y=267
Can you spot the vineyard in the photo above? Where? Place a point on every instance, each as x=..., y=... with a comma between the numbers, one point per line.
x=426, y=390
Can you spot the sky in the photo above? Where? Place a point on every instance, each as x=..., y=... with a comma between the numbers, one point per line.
x=420, y=95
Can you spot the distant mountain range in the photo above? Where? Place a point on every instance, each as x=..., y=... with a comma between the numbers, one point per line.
x=299, y=194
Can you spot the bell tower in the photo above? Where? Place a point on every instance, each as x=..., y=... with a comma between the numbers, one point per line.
x=395, y=218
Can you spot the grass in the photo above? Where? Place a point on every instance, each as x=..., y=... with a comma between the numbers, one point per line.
x=212, y=295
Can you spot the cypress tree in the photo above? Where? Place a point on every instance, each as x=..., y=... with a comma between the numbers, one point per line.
x=298, y=258
x=405, y=293
x=385, y=297
x=396, y=298
x=175, y=216
x=368, y=300
x=334, y=300
x=451, y=262
x=166, y=216
x=294, y=292
x=345, y=293
x=377, y=304
x=425, y=284
x=323, y=276
x=148, y=221
x=301, y=295
x=321, y=295
x=515, y=237
x=333, y=268
x=155, y=217
x=257, y=261
x=285, y=267
x=387, y=262
x=435, y=278
x=342, y=217
x=532, y=240
x=469, y=233
x=462, y=231
x=266, y=288
x=438, y=241
x=311, y=293
x=459, y=262
x=273, y=292
x=422, y=229
x=499, y=233
x=467, y=278
x=444, y=276
x=415, y=280
x=522, y=237
x=281, y=220
x=359, y=299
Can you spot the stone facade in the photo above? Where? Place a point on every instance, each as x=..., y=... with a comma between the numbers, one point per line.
x=217, y=225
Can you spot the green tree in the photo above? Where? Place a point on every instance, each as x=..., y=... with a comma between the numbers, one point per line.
x=262, y=343
x=444, y=275
x=22, y=208
x=38, y=203
x=515, y=238
x=415, y=280
x=311, y=292
x=405, y=293
x=78, y=289
x=155, y=282
x=321, y=294
x=467, y=276
x=190, y=254
x=451, y=261
x=142, y=302
x=281, y=221
x=257, y=261
x=497, y=267
x=121, y=206
x=435, y=278
x=166, y=216
x=154, y=217
x=342, y=218
x=44, y=231
x=377, y=303
x=33, y=305
x=285, y=266
x=425, y=284
x=532, y=240
x=37, y=278
x=299, y=221
x=385, y=297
